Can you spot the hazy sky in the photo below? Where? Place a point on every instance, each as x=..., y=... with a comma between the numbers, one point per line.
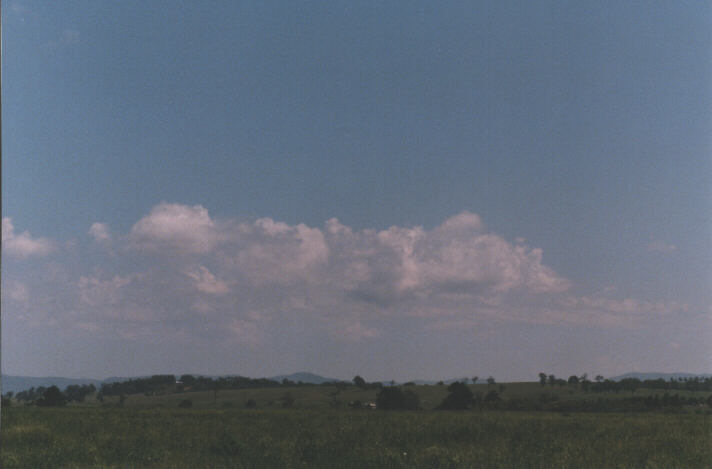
x=395, y=189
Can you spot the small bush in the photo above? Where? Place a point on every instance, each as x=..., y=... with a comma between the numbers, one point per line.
x=394, y=398
x=185, y=404
x=460, y=397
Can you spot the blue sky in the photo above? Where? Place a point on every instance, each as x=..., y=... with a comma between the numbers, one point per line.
x=400, y=190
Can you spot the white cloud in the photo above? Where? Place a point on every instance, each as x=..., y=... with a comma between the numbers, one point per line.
x=269, y=252
x=382, y=267
x=206, y=282
x=23, y=244
x=463, y=221
x=336, y=279
x=100, y=232
x=456, y=257
x=94, y=292
x=178, y=227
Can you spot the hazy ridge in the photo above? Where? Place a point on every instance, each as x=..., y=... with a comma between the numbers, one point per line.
x=14, y=383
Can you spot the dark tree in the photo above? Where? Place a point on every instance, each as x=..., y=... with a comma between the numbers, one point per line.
x=394, y=398
x=474, y=379
x=188, y=380
x=573, y=380
x=460, y=397
x=359, y=382
x=490, y=380
x=52, y=397
x=585, y=385
x=77, y=393
x=542, y=379
x=552, y=380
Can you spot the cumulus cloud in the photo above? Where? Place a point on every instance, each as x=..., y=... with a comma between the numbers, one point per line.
x=94, y=291
x=177, y=227
x=100, y=232
x=208, y=278
x=269, y=252
x=455, y=257
x=459, y=256
x=23, y=244
x=206, y=282
x=338, y=263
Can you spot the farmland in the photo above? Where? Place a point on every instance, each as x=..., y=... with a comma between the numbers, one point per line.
x=320, y=429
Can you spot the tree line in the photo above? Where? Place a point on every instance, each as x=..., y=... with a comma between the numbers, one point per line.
x=51, y=396
x=600, y=384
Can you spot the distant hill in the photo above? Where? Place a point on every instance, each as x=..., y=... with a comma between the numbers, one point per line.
x=654, y=375
x=11, y=383
x=20, y=383
x=304, y=377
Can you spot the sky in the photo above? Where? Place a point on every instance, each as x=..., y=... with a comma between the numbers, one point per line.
x=399, y=190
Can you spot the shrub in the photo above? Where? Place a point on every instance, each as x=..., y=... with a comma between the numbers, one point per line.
x=52, y=397
x=460, y=397
x=185, y=404
x=394, y=398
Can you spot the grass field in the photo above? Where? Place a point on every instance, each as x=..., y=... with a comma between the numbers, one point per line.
x=218, y=432
x=174, y=438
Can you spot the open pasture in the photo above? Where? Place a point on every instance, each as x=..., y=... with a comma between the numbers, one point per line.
x=86, y=436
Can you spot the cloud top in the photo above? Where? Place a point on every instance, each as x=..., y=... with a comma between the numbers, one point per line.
x=220, y=279
x=23, y=245
x=100, y=232
x=177, y=227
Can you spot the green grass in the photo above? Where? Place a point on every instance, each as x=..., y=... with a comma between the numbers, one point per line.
x=321, y=431
x=91, y=437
